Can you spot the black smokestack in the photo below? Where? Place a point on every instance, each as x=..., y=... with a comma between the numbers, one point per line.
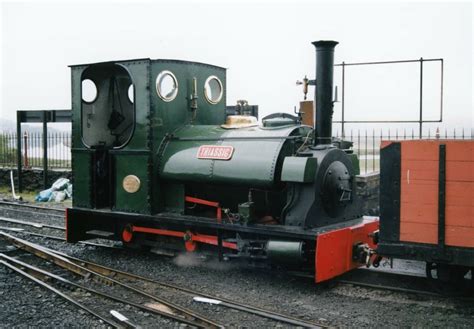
x=323, y=90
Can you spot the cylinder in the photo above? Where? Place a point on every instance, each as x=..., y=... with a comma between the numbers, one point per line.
x=288, y=253
x=323, y=90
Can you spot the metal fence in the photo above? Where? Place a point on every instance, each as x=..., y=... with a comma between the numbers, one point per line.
x=421, y=119
x=366, y=146
x=59, y=151
x=367, y=142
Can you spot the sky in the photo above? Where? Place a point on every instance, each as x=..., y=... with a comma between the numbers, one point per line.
x=265, y=45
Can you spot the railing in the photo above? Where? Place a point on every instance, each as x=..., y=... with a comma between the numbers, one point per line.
x=367, y=142
x=366, y=146
x=421, y=119
x=59, y=151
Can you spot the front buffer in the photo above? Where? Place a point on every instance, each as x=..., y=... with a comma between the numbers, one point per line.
x=341, y=250
x=328, y=252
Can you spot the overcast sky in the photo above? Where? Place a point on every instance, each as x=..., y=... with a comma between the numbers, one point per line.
x=266, y=47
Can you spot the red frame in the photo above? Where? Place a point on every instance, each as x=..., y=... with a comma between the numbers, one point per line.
x=207, y=203
x=189, y=238
x=334, y=249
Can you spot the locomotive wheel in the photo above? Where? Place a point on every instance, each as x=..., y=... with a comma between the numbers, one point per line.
x=430, y=267
x=445, y=273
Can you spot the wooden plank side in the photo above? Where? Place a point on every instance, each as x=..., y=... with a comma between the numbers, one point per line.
x=460, y=150
x=425, y=150
x=419, y=213
x=459, y=193
x=456, y=150
x=426, y=192
x=462, y=216
x=460, y=236
x=419, y=192
x=419, y=170
x=462, y=171
x=426, y=233
x=416, y=232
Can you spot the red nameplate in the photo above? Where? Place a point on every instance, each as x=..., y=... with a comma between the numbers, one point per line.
x=215, y=152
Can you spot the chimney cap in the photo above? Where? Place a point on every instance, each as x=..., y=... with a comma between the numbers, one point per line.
x=325, y=43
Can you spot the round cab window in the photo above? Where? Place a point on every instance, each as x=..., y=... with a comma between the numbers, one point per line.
x=89, y=91
x=213, y=89
x=131, y=93
x=166, y=86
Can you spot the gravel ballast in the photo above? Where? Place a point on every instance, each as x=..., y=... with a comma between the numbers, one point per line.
x=24, y=304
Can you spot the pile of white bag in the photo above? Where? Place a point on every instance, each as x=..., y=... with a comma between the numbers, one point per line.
x=59, y=191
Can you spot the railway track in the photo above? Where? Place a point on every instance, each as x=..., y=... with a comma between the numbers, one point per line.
x=40, y=226
x=98, y=285
x=31, y=207
x=372, y=279
x=368, y=278
x=157, y=303
x=23, y=210
x=408, y=283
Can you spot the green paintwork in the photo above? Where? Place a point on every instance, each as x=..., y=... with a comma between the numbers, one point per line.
x=355, y=162
x=153, y=119
x=132, y=164
x=173, y=198
x=82, y=179
x=278, y=122
x=255, y=162
x=163, y=146
x=169, y=116
x=82, y=154
x=285, y=252
x=299, y=169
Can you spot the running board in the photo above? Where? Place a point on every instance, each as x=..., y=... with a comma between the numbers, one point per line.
x=102, y=234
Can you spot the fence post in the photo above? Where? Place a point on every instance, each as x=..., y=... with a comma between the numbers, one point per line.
x=25, y=145
x=421, y=96
x=45, y=151
x=373, y=149
x=366, y=154
x=18, y=150
x=343, y=132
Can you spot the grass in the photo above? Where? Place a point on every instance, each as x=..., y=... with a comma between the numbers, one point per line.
x=30, y=197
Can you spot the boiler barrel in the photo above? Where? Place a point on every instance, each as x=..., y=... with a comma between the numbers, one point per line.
x=199, y=154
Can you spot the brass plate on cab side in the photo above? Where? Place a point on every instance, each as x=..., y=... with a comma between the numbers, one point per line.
x=131, y=183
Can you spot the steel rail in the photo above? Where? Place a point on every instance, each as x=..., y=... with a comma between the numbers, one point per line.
x=58, y=238
x=20, y=230
x=386, y=287
x=57, y=292
x=35, y=213
x=65, y=263
x=45, y=275
x=34, y=224
x=115, y=274
x=8, y=203
x=400, y=277
x=107, y=271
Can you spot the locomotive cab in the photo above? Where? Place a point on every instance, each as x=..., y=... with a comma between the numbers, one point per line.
x=107, y=108
x=107, y=116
